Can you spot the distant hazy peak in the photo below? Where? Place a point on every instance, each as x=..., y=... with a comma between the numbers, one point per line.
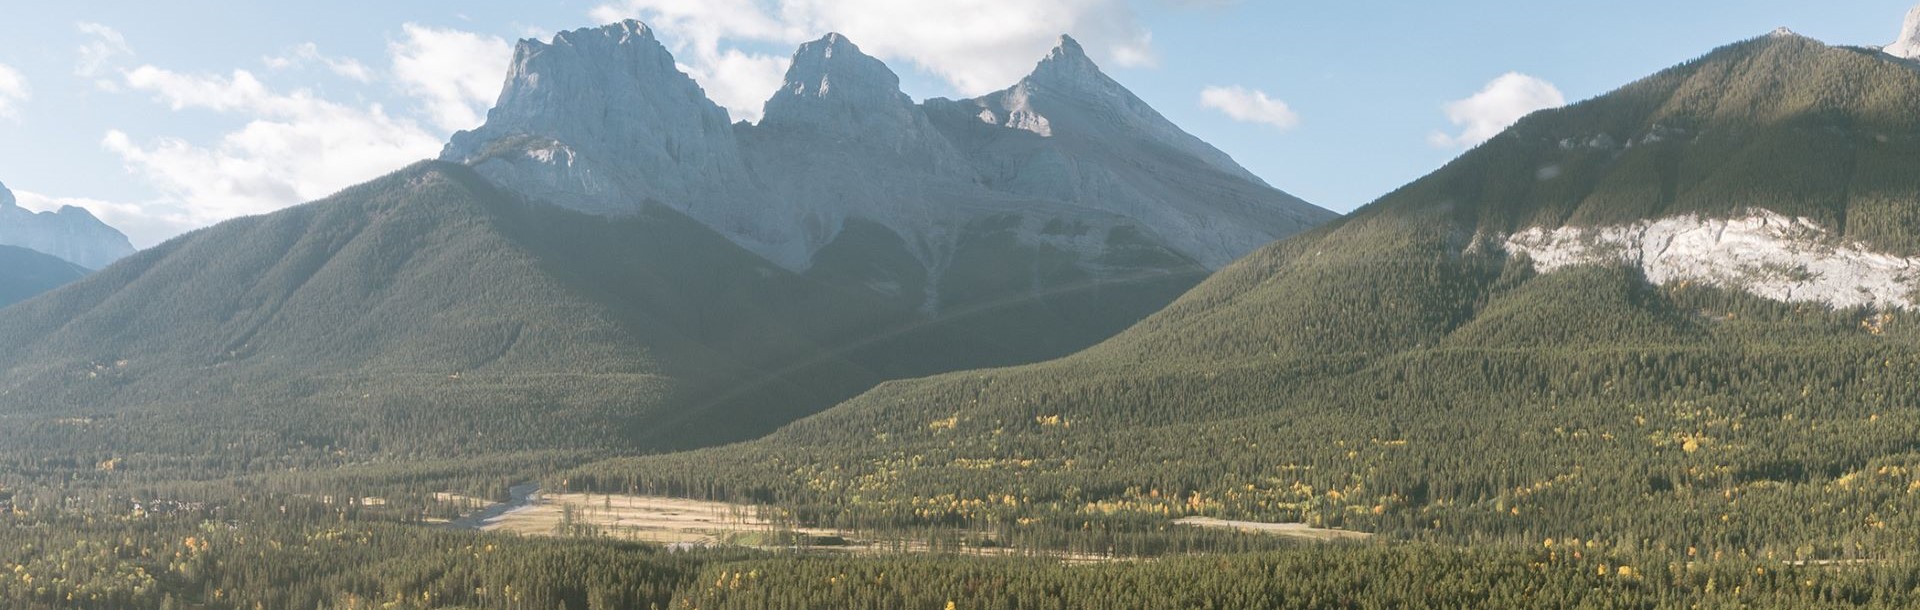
x=70, y=233
x=1908, y=45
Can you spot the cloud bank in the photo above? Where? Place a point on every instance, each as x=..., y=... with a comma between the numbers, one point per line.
x=293, y=145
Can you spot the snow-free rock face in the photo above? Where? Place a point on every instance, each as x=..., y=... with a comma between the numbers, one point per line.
x=1067, y=163
x=840, y=141
x=1767, y=254
x=836, y=89
x=1069, y=77
x=601, y=120
x=71, y=234
x=1068, y=132
x=1908, y=45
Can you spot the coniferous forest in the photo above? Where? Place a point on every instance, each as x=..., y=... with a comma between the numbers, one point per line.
x=1456, y=427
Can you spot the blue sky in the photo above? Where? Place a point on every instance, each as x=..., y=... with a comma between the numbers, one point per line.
x=162, y=117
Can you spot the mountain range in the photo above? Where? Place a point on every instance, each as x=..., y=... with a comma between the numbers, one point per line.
x=1663, y=318
x=70, y=233
x=611, y=263
x=1065, y=161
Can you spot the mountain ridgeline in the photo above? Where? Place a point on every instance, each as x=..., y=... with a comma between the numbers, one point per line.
x=71, y=234
x=1066, y=162
x=26, y=273
x=611, y=264
x=1418, y=370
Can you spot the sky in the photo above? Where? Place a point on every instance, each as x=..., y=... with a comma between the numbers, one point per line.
x=162, y=117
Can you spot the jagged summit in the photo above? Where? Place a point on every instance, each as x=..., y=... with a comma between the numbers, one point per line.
x=1783, y=32
x=1067, y=64
x=627, y=30
x=601, y=120
x=832, y=82
x=70, y=233
x=1908, y=45
x=599, y=96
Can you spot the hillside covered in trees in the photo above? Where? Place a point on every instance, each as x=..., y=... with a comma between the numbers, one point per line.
x=1513, y=436
x=25, y=274
x=1398, y=372
x=428, y=314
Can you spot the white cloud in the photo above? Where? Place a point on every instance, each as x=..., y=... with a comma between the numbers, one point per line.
x=145, y=224
x=344, y=67
x=455, y=74
x=13, y=91
x=1249, y=106
x=740, y=82
x=294, y=148
x=977, y=46
x=1496, y=107
x=103, y=46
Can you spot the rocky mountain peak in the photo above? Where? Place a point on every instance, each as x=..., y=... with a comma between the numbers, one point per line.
x=832, y=82
x=603, y=95
x=1068, y=50
x=591, y=70
x=71, y=233
x=1067, y=66
x=1908, y=45
x=602, y=121
x=624, y=32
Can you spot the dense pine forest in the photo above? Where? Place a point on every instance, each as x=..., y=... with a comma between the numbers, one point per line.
x=200, y=557
x=1395, y=373
x=1491, y=436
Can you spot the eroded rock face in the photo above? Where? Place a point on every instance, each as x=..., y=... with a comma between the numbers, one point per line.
x=1066, y=163
x=1773, y=256
x=1070, y=133
x=1908, y=46
x=71, y=234
x=601, y=120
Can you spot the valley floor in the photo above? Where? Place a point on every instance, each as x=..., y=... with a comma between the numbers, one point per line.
x=688, y=524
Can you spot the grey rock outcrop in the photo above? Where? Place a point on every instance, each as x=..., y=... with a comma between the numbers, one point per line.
x=1067, y=161
x=1908, y=45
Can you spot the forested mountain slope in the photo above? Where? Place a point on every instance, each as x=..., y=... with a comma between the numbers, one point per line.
x=25, y=273
x=424, y=312
x=1412, y=370
x=567, y=284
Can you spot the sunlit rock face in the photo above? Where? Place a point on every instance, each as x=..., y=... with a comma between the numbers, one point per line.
x=1763, y=253
x=1908, y=46
x=1067, y=164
